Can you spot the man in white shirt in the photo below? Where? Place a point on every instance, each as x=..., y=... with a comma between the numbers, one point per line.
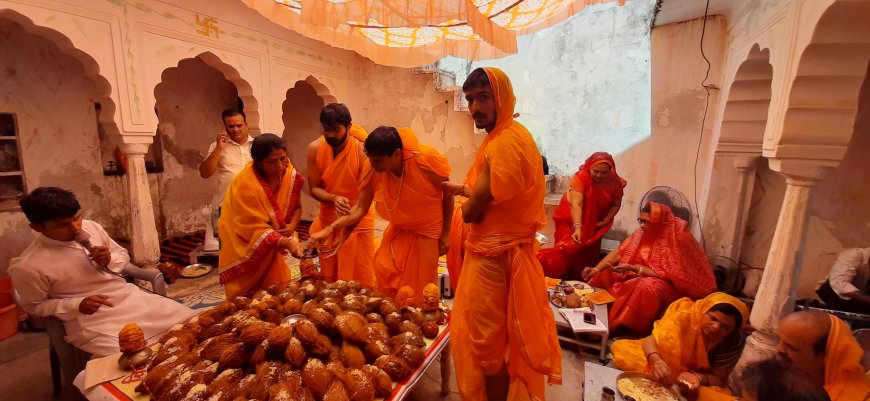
x=846, y=287
x=227, y=156
x=57, y=276
x=230, y=151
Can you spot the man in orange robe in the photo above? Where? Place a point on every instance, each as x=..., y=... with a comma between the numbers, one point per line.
x=502, y=328
x=824, y=348
x=336, y=164
x=406, y=188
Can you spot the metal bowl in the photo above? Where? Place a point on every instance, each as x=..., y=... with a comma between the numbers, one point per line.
x=668, y=393
x=195, y=270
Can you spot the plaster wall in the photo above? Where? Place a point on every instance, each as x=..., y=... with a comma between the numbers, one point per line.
x=53, y=103
x=301, y=126
x=188, y=125
x=411, y=101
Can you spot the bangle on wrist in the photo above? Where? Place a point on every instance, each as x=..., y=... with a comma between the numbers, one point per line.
x=651, y=354
x=700, y=377
x=577, y=225
x=639, y=271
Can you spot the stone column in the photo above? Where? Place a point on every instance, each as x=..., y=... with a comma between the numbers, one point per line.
x=776, y=294
x=745, y=165
x=143, y=230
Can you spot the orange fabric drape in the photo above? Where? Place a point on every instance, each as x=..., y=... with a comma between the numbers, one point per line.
x=567, y=256
x=512, y=324
x=341, y=175
x=458, y=233
x=667, y=247
x=679, y=340
x=844, y=374
x=408, y=254
x=414, y=33
x=250, y=215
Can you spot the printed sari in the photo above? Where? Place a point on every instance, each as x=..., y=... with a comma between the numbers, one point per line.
x=667, y=247
x=568, y=258
x=681, y=344
x=251, y=216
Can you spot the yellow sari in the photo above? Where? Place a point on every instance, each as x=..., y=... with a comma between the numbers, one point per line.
x=249, y=257
x=679, y=340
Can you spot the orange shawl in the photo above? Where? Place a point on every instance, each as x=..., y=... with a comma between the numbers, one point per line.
x=667, y=247
x=408, y=254
x=341, y=175
x=678, y=337
x=506, y=234
x=250, y=215
x=844, y=375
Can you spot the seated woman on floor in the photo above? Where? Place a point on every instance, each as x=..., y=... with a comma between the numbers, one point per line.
x=658, y=263
x=584, y=215
x=258, y=220
x=695, y=345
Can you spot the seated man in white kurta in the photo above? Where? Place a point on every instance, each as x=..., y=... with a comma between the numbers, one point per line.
x=56, y=276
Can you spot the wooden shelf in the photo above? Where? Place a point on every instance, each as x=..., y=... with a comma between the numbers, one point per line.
x=9, y=173
x=8, y=138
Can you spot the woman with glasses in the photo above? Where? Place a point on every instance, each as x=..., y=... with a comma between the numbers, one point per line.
x=584, y=215
x=658, y=263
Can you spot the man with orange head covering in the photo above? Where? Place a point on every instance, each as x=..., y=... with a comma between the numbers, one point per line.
x=405, y=185
x=336, y=164
x=502, y=328
x=822, y=346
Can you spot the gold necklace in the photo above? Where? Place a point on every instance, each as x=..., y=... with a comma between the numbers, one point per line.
x=399, y=194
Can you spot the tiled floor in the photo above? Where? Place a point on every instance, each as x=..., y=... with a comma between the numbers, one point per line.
x=25, y=373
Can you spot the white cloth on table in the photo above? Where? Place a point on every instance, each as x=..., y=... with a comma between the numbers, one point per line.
x=53, y=277
x=850, y=272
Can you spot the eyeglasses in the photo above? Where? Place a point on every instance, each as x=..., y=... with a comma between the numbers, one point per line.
x=642, y=221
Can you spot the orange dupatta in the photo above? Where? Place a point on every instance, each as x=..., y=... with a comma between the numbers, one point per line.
x=844, y=375
x=341, y=175
x=505, y=236
x=408, y=254
x=250, y=216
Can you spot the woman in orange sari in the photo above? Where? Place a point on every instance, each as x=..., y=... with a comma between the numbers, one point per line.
x=658, y=263
x=694, y=345
x=258, y=220
x=584, y=215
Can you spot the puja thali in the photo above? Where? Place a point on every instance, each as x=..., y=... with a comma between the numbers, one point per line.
x=571, y=294
x=643, y=388
x=195, y=270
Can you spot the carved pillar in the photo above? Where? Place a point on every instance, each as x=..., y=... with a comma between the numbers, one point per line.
x=745, y=166
x=776, y=294
x=143, y=230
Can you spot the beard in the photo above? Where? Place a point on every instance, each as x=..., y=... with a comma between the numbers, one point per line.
x=335, y=142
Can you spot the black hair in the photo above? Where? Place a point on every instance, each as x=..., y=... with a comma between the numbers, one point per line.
x=264, y=144
x=646, y=208
x=775, y=380
x=729, y=310
x=383, y=141
x=334, y=115
x=476, y=79
x=233, y=112
x=49, y=203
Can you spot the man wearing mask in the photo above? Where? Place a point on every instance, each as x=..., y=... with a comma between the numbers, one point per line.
x=336, y=163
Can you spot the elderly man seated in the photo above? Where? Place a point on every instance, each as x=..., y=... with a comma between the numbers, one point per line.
x=822, y=346
x=59, y=276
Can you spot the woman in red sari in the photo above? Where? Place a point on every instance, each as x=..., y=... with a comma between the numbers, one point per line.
x=584, y=215
x=258, y=220
x=657, y=264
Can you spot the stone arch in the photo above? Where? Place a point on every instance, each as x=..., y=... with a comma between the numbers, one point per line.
x=299, y=113
x=102, y=87
x=745, y=115
x=823, y=100
x=246, y=92
x=738, y=150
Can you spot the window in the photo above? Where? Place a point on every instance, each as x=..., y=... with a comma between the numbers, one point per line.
x=11, y=176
